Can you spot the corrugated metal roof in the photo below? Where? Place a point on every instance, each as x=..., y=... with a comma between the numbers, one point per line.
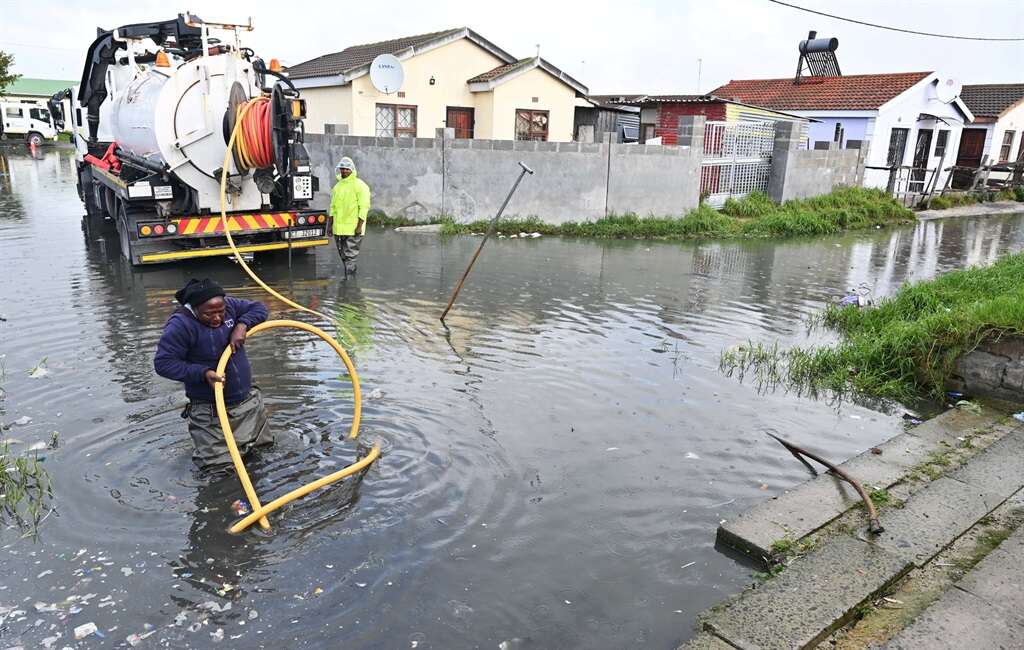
x=990, y=100
x=37, y=87
x=852, y=92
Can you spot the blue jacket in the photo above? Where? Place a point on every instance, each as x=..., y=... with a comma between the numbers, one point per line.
x=187, y=349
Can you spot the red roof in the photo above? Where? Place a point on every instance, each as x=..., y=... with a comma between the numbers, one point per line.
x=856, y=92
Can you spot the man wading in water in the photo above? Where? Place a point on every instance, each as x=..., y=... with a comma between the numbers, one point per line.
x=350, y=203
x=193, y=340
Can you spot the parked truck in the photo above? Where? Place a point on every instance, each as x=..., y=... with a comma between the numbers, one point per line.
x=151, y=121
x=26, y=121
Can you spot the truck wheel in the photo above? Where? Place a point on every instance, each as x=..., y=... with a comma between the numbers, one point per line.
x=123, y=235
x=87, y=191
x=34, y=139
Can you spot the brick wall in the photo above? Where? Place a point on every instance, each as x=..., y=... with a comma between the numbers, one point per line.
x=668, y=117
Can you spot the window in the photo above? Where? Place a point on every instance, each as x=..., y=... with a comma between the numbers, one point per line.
x=531, y=125
x=1004, y=151
x=395, y=120
x=14, y=112
x=897, y=147
x=40, y=114
x=940, y=142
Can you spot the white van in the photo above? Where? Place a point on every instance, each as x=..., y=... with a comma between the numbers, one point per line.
x=28, y=122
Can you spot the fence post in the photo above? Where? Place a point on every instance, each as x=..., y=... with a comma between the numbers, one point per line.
x=787, y=139
x=443, y=139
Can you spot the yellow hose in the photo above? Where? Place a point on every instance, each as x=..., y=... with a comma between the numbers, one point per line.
x=260, y=511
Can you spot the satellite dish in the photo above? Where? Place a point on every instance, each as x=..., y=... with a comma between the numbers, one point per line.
x=386, y=73
x=947, y=89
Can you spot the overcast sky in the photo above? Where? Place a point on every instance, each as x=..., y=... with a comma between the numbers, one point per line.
x=612, y=47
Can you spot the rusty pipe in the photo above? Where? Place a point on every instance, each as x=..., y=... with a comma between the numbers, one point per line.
x=874, y=526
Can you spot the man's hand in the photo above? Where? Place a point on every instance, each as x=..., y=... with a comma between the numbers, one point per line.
x=360, y=227
x=238, y=337
x=212, y=378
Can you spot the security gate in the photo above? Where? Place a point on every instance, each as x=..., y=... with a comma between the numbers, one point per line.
x=737, y=159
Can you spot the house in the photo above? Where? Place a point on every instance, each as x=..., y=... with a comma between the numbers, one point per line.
x=37, y=92
x=597, y=115
x=659, y=114
x=909, y=118
x=453, y=78
x=997, y=128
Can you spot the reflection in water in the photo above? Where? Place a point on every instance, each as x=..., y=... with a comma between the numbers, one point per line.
x=551, y=461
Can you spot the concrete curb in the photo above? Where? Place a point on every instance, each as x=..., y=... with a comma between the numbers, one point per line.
x=996, y=208
x=799, y=512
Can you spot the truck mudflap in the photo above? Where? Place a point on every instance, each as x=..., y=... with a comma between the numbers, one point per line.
x=157, y=241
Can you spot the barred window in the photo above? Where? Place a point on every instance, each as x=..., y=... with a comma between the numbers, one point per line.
x=395, y=120
x=941, y=140
x=897, y=147
x=531, y=125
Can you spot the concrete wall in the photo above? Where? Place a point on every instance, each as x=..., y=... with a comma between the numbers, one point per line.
x=467, y=179
x=993, y=369
x=800, y=173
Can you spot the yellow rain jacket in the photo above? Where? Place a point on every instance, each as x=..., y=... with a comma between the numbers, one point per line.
x=350, y=201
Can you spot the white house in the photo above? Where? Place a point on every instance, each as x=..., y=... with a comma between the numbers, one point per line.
x=998, y=127
x=906, y=118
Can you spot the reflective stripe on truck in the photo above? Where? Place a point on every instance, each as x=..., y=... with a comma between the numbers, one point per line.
x=244, y=222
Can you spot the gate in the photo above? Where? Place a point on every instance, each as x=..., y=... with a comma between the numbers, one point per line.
x=737, y=159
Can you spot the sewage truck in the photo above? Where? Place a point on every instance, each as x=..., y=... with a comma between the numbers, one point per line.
x=152, y=118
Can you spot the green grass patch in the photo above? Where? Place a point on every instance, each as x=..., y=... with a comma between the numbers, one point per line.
x=380, y=218
x=903, y=348
x=25, y=488
x=756, y=215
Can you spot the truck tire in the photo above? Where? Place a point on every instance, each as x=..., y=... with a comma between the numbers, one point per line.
x=123, y=236
x=87, y=192
x=34, y=139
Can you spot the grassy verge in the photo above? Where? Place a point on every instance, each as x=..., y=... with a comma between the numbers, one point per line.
x=903, y=348
x=847, y=208
x=966, y=198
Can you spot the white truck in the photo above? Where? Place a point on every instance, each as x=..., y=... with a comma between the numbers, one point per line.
x=151, y=121
x=26, y=121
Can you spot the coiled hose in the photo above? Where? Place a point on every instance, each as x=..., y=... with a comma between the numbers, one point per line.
x=250, y=149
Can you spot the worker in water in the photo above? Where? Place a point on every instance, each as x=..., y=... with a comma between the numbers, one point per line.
x=350, y=202
x=189, y=350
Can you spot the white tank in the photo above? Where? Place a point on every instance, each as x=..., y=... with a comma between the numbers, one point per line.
x=175, y=115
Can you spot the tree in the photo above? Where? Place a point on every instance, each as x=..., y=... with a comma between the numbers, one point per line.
x=7, y=75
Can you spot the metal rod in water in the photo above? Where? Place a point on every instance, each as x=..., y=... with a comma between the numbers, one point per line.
x=490, y=231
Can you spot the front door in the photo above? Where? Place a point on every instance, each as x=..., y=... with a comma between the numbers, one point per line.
x=460, y=119
x=972, y=147
x=922, y=150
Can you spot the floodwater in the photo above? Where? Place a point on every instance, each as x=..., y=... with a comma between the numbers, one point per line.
x=554, y=467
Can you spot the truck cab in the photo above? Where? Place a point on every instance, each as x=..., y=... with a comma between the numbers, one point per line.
x=26, y=121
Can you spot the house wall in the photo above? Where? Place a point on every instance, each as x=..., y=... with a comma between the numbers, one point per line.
x=1012, y=120
x=450, y=65
x=327, y=105
x=519, y=92
x=484, y=117
x=669, y=113
x=902, y=112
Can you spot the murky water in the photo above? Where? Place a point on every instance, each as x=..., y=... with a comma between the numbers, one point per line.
x=555, y=465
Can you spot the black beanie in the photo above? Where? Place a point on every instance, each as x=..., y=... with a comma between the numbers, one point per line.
x=196, y=292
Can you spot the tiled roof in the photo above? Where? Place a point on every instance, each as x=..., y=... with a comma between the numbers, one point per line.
x=497, y=72
x=360, y=55
x=856, y=92
x=990, y=100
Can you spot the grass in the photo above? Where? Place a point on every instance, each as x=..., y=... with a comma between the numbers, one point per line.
x=846, y=208
x=903, y=348
x=954, y=200
x=25, y=488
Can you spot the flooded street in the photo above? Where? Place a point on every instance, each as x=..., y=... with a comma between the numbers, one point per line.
x=554, y=467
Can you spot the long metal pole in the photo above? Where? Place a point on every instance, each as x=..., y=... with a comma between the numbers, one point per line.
x=490, y=230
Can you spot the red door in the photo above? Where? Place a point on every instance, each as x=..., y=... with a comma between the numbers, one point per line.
x=460, y=119
x=972, y=147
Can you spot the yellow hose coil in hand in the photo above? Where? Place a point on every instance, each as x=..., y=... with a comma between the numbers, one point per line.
x=260, y=512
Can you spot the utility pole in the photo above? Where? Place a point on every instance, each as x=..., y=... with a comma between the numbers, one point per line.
x=699, y=64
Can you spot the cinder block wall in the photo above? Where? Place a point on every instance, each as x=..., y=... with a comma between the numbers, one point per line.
x=993, y=369
x=468, y=179
x=801, y=173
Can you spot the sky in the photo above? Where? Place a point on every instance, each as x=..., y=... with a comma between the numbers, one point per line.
x=611, y=47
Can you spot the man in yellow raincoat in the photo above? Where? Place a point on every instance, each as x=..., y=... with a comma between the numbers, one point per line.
x=350, y=202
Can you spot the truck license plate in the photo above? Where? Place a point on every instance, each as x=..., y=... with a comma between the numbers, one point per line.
x=302, y=234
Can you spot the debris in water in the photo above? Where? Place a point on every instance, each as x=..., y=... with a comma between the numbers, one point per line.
x=376, y=393
x=318, y=591
x=127, y=571
x=253, y=614
x=218, y=635
x=43, y=608
x=688, y=564
x=535, y=235
x=876, y=451
x=85, y=630
x=965, y=405
x=241, y=507
x=692, y=456
x=49, y=641
x=37, y=446
x=22, y=421
x=361, y=584
x=955, y=395
x=226, y=588
x=612, y=449
x=44, y=574
x=855, y=417
x=1019, y=416
x=39, y=371
x=135, y=639
x=912, y=419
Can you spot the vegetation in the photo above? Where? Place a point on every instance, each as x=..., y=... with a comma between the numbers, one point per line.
x=847, y=208
x=25, y=488
x=7, y=76
x=904, y=347
x=947, y=201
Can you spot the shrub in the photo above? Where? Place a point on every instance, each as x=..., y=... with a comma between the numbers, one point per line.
x=939, y=203
x=1018, y=193
x=1005, y=195
x=755, y=204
